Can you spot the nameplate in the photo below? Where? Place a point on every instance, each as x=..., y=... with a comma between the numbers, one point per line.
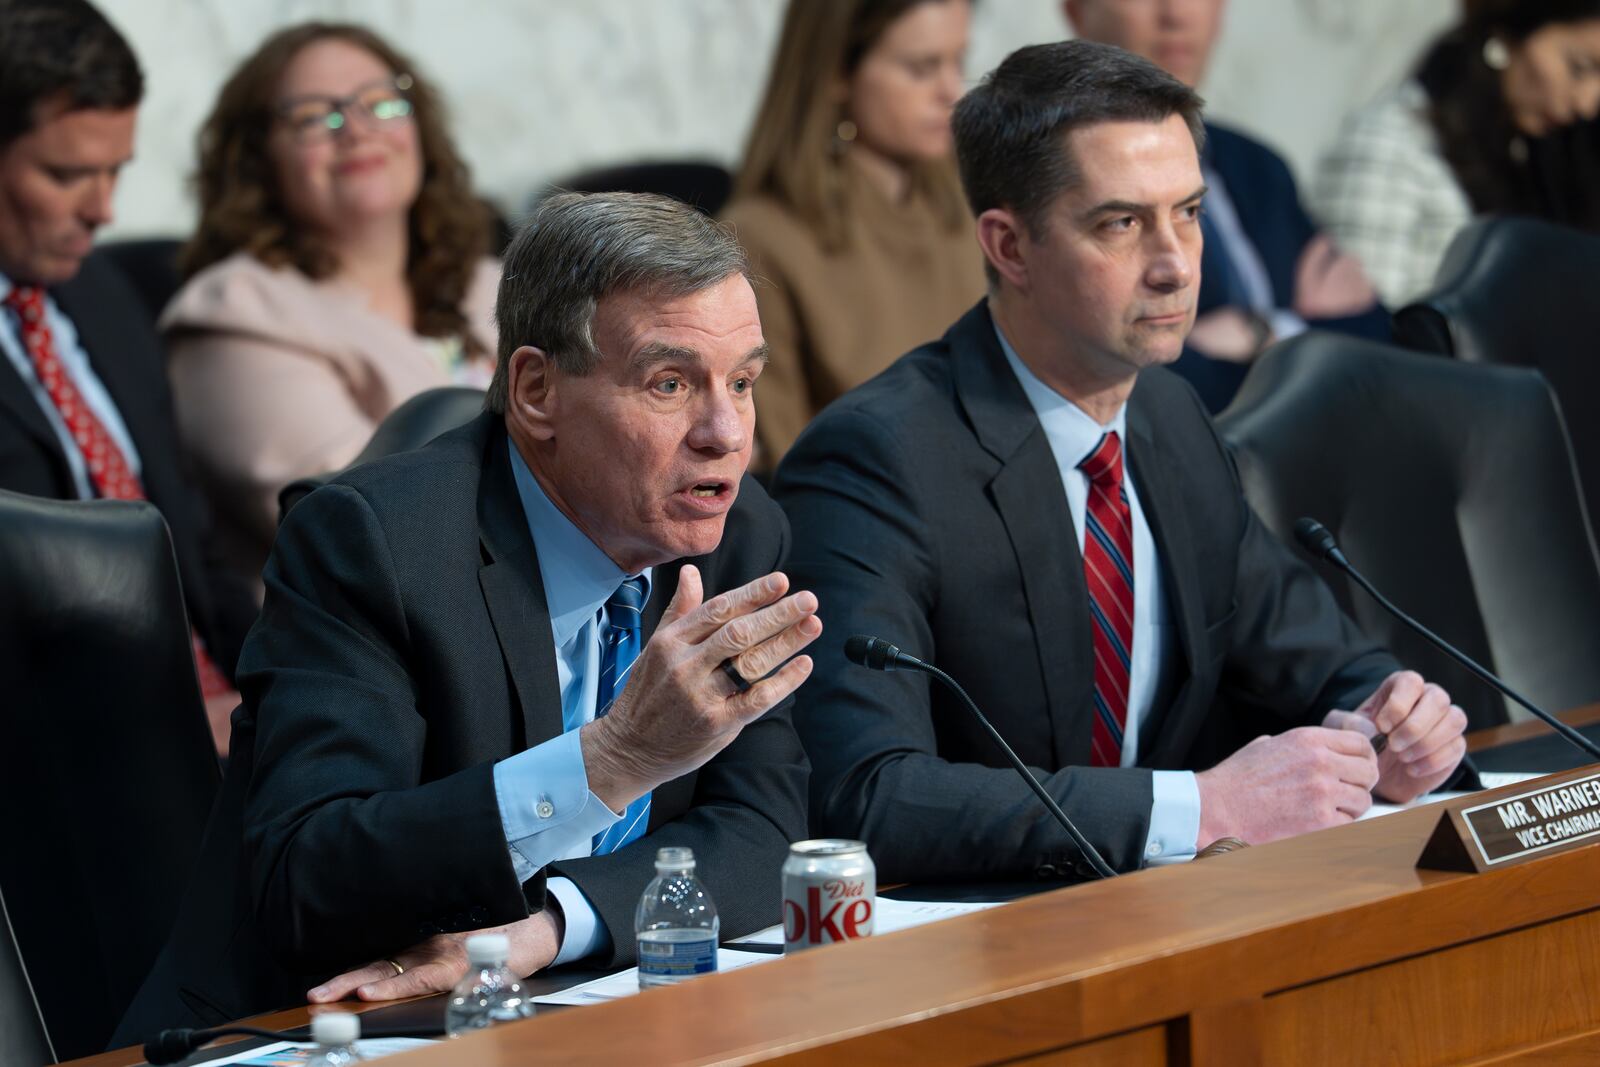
x=1523, y=822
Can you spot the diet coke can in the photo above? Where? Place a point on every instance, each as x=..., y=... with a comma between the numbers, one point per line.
x=830, y=890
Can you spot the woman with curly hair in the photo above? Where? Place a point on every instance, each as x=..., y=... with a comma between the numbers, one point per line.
x=338, y=268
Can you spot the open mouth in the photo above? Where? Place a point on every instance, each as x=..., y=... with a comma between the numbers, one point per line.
x=708, y=490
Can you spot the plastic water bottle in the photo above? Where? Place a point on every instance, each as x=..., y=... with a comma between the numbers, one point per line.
x=489, y=994
x=676, y=922
x=335, y=1034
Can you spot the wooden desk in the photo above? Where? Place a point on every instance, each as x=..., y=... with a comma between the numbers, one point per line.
x=1329, y=948
x=1496, y=736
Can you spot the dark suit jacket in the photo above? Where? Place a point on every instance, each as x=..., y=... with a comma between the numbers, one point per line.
x=1264, y=193
x=404, y=648
x=928, y=510
x=115, y=330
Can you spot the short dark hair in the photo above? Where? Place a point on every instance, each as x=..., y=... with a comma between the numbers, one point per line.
x=1011, y=131
x=61, y=49
x=577, y=248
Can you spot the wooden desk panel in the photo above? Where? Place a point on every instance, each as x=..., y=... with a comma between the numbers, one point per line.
x=1228, y=961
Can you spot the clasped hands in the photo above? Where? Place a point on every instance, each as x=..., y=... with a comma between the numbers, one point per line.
x=1319, y=776
x=678, y=710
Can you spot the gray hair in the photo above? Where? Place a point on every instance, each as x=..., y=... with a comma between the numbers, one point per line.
x=577, y=248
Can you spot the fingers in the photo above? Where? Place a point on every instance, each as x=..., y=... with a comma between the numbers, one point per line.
x=1346, y=756
x=431, y=977
x=745, y=632
x=341, y=986
x=687, y=598
x=1349, y=720
x=706, y=619
x=1393, y=700
x=1431, y=708
x=767, y=693
x=763, y=659
x=1441, y=749
x=1351, y=801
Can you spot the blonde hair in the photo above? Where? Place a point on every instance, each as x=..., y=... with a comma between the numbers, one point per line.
x=792, y=154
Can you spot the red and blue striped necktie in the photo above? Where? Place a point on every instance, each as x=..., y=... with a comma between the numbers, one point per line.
x=1108, y=574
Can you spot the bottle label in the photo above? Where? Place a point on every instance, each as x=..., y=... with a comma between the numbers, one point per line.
x=664, y=960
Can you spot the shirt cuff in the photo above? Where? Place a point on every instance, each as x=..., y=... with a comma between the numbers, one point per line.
x=585, y=933
x=546, y=809
x=1286, y=324
x=1174, y=818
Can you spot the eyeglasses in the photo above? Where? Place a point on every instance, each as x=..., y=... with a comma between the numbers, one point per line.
x=312, y=119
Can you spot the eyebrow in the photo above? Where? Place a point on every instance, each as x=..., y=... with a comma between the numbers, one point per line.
x=1128, y=207
x=656, y=353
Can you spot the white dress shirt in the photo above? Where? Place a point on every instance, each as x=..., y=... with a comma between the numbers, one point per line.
x=75, y=361
x=1072, y=434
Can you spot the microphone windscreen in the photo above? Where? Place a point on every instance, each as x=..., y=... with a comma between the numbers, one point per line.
x=1315, y=538
x=857, y=648
x=170, y=1046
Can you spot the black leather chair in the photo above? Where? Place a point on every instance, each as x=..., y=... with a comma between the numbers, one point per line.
x=151, y=265
x=107, y=771
x=22, y=1036
x=706, y=186
x=1511, y=291
x=411, y=425
x=1451, y=487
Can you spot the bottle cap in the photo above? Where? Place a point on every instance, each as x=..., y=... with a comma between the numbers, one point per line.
x=335, y=1028
x=488, y=950
x=675, y=859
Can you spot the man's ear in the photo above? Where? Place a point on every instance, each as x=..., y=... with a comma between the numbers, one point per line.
x=1004, y=240
x=531, y=394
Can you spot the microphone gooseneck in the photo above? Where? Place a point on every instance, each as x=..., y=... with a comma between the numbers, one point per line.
x=170, y=1046
x=876, y=654
x=1315, y=539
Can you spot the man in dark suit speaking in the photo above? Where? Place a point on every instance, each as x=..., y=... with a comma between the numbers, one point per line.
x=494, y=675
x=1035, y=504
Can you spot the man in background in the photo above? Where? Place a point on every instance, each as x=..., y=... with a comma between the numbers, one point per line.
x=494, y=675
x=1268, y=273
x=1035, y=504
x=85, y=411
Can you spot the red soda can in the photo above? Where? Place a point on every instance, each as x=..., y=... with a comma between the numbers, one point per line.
x=830, y=890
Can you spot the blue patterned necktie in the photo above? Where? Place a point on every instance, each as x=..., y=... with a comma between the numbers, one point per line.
x=623, y=613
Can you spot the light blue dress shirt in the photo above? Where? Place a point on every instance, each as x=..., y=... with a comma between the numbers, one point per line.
x=1072, y=434
x=546, y=808
x=76, y=363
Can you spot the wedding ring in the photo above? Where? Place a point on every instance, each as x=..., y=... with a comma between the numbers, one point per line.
x=738, y=680
x=398, y=970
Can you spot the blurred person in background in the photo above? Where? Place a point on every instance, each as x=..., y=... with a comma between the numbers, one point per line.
x=85, y=411
x=1267, y=272
x=338, y=269
x=1497, y=119
x=848, y=202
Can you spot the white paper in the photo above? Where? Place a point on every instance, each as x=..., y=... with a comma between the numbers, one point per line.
x=1496, y=779
x=888, y=917
x=626, y=983
x=291, y=1052
x=1379, y=808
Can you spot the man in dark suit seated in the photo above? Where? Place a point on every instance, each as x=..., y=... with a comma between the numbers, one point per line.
x=1268, y=273
x=493, y=676
x=85, y=410
x=1041, y=508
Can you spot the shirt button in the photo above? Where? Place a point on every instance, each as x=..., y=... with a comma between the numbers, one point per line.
x=1153, y=849
x=544, y=809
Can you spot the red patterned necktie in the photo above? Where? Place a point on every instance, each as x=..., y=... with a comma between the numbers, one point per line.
x=1108, y=574
x=108, y=468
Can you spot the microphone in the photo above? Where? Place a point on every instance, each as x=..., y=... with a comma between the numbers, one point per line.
x=1315, y=539
x=170, y=1046
x=876, y=654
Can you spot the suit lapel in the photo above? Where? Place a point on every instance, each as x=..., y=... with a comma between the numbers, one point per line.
x=513, y=592
x=108, y=354
x=1028, y=495
x=1154, y=471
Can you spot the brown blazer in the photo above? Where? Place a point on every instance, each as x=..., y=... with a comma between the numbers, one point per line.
x=833, y=319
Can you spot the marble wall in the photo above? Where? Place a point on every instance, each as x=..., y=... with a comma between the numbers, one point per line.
x=541, y=88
